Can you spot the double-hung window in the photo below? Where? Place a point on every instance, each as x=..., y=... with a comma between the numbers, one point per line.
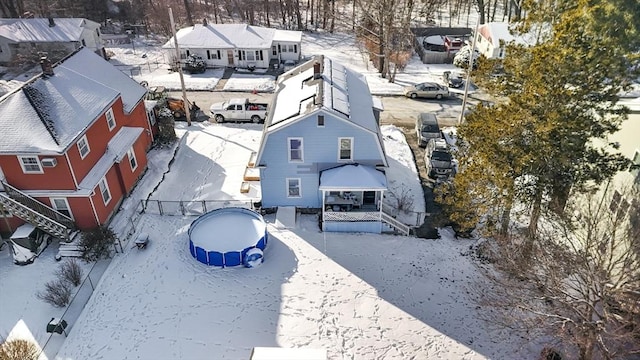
x=104, y=190
x=296, y=153
x=30, y=164
x=293, y=188
x=132, y=159
x=345, y=151
x=83, y=146
x=111, y=120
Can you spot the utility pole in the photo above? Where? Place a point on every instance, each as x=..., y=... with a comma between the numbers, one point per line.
x=187, y=108
x=469, y=69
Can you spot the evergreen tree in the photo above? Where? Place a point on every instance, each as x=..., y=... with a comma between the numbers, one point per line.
x=562, y=95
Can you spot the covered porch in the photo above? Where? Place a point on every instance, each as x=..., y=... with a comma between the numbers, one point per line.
x=351, y=198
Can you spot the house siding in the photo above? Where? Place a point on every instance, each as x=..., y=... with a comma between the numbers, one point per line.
x=55, y=178
x=117, y=194
x=320, y=148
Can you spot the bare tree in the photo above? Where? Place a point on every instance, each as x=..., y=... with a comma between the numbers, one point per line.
x=581, y=282
x=385, y=31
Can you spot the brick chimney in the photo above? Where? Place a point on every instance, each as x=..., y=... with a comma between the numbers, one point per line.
x=51, y=22
x=317, y=70
x=47, y=67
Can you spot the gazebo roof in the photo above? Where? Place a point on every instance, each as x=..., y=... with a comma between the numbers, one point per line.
x=353, y=177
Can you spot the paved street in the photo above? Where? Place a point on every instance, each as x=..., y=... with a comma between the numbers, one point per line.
x=398, y=110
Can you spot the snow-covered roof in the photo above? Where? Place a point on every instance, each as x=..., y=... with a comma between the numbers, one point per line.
x=340, y=90
x=116, y=150
x=353, y=177
x=39, y=29
x=496, y=31
x=230, y=36
x=94, y=67
x=49, y=113
x=335, y=89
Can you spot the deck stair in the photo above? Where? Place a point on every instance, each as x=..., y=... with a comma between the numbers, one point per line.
x=392, y=222
x=35, y=212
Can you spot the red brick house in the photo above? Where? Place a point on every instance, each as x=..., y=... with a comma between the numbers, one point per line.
x=73, y=145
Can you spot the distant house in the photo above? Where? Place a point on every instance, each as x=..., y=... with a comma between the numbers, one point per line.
x=58, y=37
x=74, y=142
x=493, y=38
x=322, y=147
x=237, y=45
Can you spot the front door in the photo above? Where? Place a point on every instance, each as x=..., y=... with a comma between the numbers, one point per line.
x=230, y=57
x=369, y=198
x=62, y=206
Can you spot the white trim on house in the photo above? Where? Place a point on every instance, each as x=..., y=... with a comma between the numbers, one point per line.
x=65, y=208
x=290, y=149
x=340, y=149
x=289, y=188
x=28, y=161
x=111, y=119
x=103, y=185
x=83, y=144
x=133, y=162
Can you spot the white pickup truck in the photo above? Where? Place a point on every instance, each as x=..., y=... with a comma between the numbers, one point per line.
x=240, y=109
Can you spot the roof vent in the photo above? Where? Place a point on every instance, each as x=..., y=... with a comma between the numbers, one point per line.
x=51, y=22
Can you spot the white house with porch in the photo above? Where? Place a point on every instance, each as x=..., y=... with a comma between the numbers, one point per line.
x=322, y=149
x=236, y=45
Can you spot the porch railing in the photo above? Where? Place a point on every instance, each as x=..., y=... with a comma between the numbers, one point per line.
x=352, y=216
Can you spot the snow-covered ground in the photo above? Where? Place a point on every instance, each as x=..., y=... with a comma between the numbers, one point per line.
x=360, y=296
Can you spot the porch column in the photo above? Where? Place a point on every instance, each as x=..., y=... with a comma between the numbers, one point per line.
x=323, y=206
x=380, y=211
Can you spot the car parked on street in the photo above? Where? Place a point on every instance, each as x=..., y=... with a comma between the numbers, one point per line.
x=427, y=90
x=427, y=128
x=453, y=80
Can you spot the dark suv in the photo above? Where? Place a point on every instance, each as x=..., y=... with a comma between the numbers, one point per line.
x=438, y=160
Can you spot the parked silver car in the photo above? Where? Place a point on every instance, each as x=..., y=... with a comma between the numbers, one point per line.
x=427, y=128
x=426, y=90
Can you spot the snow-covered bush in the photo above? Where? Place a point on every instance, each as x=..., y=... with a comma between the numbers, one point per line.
x=56, y=293
x=70, y=271
x=461, y=59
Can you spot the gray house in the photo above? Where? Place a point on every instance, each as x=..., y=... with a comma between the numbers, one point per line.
x=236, y=45
x=322, y=147
x=58, y=37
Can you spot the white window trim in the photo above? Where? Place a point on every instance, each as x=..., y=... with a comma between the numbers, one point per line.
x=111, y=119
x=299, y=188
x=350, y=150
x=83, y=138
x=68, y=208
x=301, y=149
x=22, y=164
x=104, y=185
x=131, y=154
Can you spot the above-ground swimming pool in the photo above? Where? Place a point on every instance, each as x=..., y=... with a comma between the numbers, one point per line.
x=228, y=237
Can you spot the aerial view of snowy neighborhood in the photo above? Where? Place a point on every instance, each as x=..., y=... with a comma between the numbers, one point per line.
x=319, y=180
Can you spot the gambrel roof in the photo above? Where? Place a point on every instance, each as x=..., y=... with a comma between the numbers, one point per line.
x=231, y=36
x=39, y=29
x=49, y=113
x=322, y=85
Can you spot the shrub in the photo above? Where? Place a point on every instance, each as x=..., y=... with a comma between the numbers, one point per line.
x=56, y=293
x=96, y=244
x=19, y=349
x=70, y=271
